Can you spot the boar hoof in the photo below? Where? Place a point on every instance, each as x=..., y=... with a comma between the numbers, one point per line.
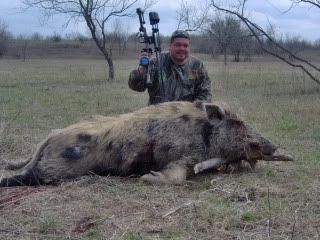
x=208, y=164
x=154, y=177
x=172, y=174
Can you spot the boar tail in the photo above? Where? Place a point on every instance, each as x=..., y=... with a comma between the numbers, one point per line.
x=14, y=165
x=28, y=178
x=30, y=173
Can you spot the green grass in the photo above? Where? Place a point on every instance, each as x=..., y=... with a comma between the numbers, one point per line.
x=250, y=217
x=47, y=225
x=40, y=95
x=132, y=236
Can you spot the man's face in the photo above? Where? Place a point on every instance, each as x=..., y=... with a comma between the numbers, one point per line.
x=179, y=50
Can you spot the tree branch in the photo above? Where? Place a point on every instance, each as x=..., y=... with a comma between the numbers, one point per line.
x=95, y=13
x=314, y=3
x=254, y=28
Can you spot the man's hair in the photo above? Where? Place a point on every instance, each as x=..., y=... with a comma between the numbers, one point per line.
x=179, y=34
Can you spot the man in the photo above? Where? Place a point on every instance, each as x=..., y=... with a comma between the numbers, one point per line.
x=184, y=77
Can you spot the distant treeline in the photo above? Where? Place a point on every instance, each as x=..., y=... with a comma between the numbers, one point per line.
x=227, y=39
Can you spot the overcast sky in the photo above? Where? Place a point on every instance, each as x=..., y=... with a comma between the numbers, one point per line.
x=299, y=21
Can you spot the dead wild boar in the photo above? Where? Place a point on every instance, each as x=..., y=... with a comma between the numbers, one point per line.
x=163, y=143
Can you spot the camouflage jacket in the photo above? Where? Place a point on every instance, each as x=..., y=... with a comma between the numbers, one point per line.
x=188, y=82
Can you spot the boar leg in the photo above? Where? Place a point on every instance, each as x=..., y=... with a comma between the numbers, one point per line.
x=174, y=173
x=208, y=164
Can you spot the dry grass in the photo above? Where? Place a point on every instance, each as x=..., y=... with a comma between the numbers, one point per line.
x=274, y=201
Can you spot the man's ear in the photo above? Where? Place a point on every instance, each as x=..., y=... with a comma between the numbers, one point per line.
x=214, y=112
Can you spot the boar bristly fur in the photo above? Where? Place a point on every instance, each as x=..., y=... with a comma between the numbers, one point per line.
x=164, y=143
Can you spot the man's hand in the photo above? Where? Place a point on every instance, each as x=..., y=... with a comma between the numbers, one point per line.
x=144, y=60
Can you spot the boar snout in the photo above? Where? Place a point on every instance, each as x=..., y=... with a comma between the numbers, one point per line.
x=267, y=148
x=258, y=151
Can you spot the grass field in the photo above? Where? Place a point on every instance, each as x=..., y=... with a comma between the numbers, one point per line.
x=274, y=201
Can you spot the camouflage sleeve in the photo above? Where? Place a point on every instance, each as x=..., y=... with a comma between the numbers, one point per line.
x=203, y=85
x=137, y=81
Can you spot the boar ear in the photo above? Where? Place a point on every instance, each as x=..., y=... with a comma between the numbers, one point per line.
x=214, y=111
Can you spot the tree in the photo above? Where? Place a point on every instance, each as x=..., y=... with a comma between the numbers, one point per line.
x=273, y=47
x=227, y=33
x=4, y=36
x=224, y=32
x=56, y=37
x=95, y=13
x=277, y=50
x=315, y=3
x=36, y=36
x=296, y=44
x=317, y=43
x=121, y=36
x=118, y=37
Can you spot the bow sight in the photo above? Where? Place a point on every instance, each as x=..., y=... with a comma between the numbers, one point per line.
x=149, y=40
x=143, y=35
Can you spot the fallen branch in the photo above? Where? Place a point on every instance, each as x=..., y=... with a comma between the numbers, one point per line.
x=293, y=228
x=269, y=218
x=174, y=209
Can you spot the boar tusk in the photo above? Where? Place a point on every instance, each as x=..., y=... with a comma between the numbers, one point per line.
x=280, y=157
x=208, y=164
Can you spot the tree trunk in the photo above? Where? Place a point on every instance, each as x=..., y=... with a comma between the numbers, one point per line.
x=110, y=66
x=212, y=53
x=237, y=56
x=24, y=50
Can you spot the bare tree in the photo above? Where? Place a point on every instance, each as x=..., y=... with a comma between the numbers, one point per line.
x=296, y=44
x=96, y=14
x=118, y=37
x=36, y=36
x=4, y=36
x=273, y=47
x=224, y=32
x=317, y=43
x=227, y=33
x=277, y=50
x=192, y=18
x=312, y=2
